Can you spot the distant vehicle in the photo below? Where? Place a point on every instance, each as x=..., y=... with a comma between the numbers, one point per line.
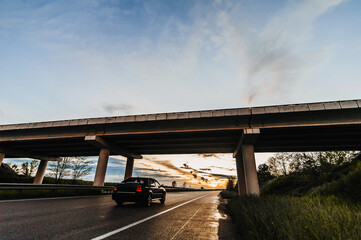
x=140, y=190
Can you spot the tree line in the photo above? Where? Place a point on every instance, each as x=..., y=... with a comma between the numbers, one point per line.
x=314, y=165
x=310, y=163
x=74, y=168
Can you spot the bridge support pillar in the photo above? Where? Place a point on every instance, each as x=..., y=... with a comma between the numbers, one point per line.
x=250, y=171
x=129, y=168
x=242, y=190
x=101, y=167
x=40, y=172
x=2, y=156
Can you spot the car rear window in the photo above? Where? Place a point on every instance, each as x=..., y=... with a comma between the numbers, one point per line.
x=135, y=180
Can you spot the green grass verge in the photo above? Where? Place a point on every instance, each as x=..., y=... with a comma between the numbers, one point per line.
x=25, y=194
x=347, y=187
x=288, y=217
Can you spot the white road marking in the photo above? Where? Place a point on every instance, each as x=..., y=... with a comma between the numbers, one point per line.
x=144, y=220
x=53, y=198
x=185, y=224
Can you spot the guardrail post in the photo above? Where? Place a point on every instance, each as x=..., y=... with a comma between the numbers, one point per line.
x=129, y=168
x=40, y=173
x=101, y=167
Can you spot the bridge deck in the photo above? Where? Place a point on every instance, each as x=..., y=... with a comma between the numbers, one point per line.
x=299, y=127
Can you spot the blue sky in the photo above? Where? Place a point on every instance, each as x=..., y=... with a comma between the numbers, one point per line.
x=78, y=59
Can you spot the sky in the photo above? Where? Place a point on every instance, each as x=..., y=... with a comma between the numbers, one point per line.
x=80, y=59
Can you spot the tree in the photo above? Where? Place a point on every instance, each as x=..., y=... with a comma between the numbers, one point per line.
x=28, y=169
x=80, y=168
x=230, y=184
x=74, y=167
x=263, y=170
x=60, y=169
x=278, y=164
x=15, y=168
x=174, y=184
x=310, y=163
x=184, y=185
x=264, y=174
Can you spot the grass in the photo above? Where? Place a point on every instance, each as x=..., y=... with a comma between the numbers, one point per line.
x=303, y=207
x=347, y=187
x=288, y=217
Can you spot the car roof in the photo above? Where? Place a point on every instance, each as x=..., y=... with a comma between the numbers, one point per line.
x=140, y=178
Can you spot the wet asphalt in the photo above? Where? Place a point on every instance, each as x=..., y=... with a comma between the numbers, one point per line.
x=95, y=216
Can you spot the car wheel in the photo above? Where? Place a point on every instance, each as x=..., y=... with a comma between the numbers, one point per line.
x=148, y=201
x=119, y=202
x=162, y=200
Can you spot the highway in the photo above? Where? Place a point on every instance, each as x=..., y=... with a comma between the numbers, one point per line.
x=185, y=215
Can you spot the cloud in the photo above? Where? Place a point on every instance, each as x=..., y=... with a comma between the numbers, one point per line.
x=273, y=58
x=208, y=155
x=119, y=109
x=193, y=174
x=218, y=175
x=223, y=168
x=168, y=164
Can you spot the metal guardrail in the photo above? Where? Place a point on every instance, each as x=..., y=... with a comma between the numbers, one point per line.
x=29, y=186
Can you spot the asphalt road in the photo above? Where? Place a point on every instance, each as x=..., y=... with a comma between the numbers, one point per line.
x=185, y=215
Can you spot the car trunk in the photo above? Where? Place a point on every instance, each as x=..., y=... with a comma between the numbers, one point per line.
x=127, y=187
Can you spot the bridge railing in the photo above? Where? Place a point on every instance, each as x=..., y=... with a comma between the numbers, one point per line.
x=29, y=186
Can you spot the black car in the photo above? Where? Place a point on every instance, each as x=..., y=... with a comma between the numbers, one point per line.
x=140, y=190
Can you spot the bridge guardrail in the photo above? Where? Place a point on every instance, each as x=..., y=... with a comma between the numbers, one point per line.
x=29, y=186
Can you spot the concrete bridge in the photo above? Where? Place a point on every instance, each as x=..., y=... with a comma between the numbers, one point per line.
x=241, y=131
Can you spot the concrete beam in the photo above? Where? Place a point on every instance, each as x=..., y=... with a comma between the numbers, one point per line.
x=250, y=170
x=101, y=167
x=40, y=172
x=101, y=143
x=129, y=168
x=136, y=128
x=25, y=154
x=2, y=156
x=248, y=136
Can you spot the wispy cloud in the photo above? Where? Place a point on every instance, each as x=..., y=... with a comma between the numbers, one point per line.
x=118, y=108
x=276, y=56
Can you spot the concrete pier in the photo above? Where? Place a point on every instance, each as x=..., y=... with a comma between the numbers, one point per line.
x=242, y=190
x=129, y=168
x=41, y=172
x=249, y=164
x=101, y=167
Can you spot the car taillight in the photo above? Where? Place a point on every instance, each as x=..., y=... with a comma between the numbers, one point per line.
x=115, y=189
x=139, y=188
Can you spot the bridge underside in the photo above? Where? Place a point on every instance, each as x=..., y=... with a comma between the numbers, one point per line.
x=319, y=138
x=288, y=128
